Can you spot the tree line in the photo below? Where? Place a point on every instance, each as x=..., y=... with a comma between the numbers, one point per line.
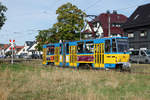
x=3, y=9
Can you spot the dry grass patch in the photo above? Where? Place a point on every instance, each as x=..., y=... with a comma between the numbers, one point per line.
x=34, y=82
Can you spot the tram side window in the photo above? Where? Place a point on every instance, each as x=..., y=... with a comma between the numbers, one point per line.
x=67, y=48
x=89, y=47
x=107, y=46
x=80, y=47
x=114, y=49
x=50, y=50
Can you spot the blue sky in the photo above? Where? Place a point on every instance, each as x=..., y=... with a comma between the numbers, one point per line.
x=26, y=17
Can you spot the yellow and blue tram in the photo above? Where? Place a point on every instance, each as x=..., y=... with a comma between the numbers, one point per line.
x=95, y=53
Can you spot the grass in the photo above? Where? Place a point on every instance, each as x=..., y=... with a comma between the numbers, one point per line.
x=32, y=81
x=141, y=68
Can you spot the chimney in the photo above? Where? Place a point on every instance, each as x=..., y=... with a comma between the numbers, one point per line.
x=114, y=11
x=108, y=12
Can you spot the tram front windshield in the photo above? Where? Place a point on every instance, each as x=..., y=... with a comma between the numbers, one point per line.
x=123, y=45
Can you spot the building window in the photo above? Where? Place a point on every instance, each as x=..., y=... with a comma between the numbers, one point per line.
x=116, y=24
x=113, y=25
x=130, y=35
x=143, y=34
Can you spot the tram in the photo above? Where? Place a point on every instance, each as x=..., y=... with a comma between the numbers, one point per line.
x=111, y=53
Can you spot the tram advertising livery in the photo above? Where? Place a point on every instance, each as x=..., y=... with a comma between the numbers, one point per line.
x=96, y=53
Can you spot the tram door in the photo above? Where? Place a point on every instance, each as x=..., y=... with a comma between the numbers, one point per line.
x=73, y=55
x=44, y=55
x=99, y=55
x=57, y=55
x=63, y=54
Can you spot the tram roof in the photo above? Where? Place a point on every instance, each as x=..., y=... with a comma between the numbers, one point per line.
x=96, y=40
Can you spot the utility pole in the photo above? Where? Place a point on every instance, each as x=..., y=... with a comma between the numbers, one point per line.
x=80, y=31
x=82, y=16
x=12, y=60
x=109, y=25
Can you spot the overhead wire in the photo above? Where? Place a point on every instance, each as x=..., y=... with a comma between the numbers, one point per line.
x=92, y=5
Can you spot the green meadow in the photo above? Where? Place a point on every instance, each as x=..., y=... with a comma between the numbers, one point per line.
x=33, y=81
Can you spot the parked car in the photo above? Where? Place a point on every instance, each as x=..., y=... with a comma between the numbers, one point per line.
x=25, y=55
x=35, y=56
x=140, y=56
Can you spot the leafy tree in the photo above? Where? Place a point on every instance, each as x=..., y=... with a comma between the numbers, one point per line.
x=44, y=37
x=70, y=22
x=2, y=16
x=41, y=39
x=69, y=25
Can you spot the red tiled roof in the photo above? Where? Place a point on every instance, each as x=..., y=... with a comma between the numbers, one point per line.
x=4, y=46
x=114, y=18
x=19, y=47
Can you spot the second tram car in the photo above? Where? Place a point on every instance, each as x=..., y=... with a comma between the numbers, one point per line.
x=96, y=53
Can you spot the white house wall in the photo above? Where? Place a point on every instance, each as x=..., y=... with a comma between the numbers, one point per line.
x=33, y=47
x=2, y=52
x=8, y=49
x=21, y=51
x=88, y=28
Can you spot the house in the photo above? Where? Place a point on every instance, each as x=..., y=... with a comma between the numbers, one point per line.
x=92, y=30
x=105, y=21
x=16, y=50
x=137, y=28
x=3, y=47
x=33, y=50
x=27, y=46
x=29, y=49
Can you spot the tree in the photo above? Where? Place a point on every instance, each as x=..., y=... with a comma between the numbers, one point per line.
x=69, y=25
x=41, y=39
x=70, y=22
x=45, y=37
x=3, y=9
